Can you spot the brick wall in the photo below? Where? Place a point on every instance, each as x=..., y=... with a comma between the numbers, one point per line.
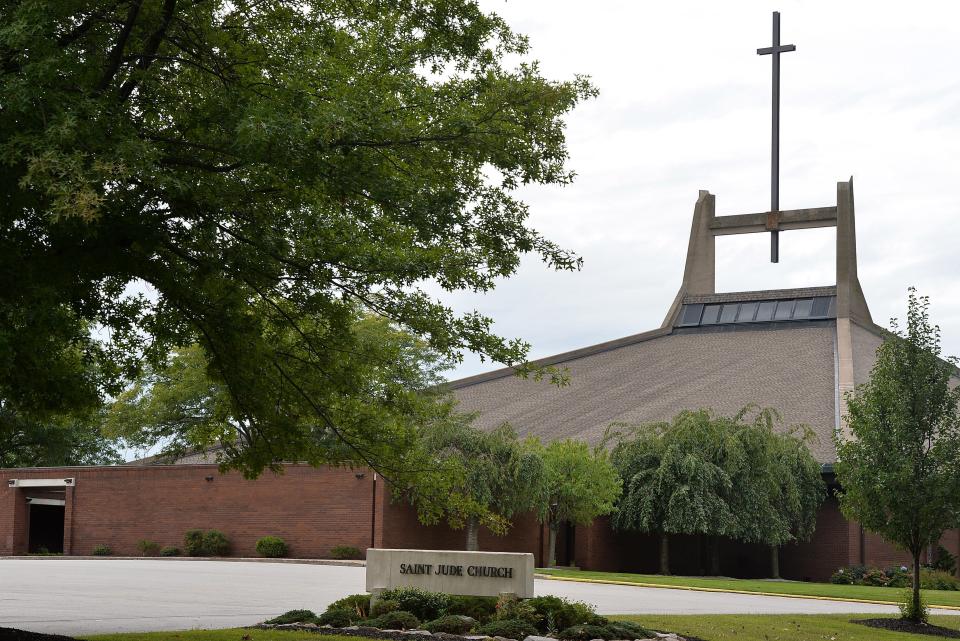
x=312, y=509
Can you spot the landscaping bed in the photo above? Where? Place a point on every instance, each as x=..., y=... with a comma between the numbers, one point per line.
x=902, y=625
x=12, y=634
x=410, y=614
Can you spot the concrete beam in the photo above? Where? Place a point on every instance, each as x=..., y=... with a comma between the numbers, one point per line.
x=789, y=219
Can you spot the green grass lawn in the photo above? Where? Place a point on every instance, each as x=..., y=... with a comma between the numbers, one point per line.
x=229, y=634
x=718, y=627
x=790, y=588
x=781, y=627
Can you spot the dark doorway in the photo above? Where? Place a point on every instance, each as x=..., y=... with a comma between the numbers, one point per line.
x=565, y=544
x=46, y=528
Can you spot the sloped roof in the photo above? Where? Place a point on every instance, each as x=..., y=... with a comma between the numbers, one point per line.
x=653, y=376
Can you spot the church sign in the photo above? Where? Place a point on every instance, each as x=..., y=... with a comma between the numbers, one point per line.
x=451, y=571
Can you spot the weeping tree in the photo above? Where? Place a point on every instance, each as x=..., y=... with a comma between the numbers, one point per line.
x=581, y=484
x=674, y=479
x=716, y=476
x=778, y=485
x=491, y=476
x=899, y=462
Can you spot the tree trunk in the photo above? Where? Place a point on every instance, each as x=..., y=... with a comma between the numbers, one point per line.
x=917, y=614
x=664, y=554
x=715, y=556
x=774, y=561
x=552, y=544
x=473, y=534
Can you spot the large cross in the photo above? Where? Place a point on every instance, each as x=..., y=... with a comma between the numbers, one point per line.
x=775, y=51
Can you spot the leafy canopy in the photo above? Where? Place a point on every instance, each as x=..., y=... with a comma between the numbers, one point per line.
x=394, y=391
x=47, y=440
x=899, y=461
x=492, y=476
x=580, y=483
x=718, y=476
x=242, y=175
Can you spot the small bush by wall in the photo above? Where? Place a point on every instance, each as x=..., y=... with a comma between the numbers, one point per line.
x=147, y=547
x=344, y=552
x=170, y=550
x=216, y=543
x=102, y=550
x=272, y=547
x=193, y=543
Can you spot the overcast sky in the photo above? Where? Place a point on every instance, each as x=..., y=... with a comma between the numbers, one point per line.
x=872, y=91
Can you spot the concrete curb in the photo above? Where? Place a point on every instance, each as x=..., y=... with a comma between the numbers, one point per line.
x=729, y=591
x=351, y=563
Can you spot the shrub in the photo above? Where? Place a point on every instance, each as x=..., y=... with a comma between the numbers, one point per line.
x=356, y=603
x=628, y=630
x=272, y=547
x=338, y=618
x=585, y=632
x=511, y=629
x=345, y=552
x=481, y=608
x=292, y=616
x=397, y=620
x=514, y=609
x=938, y=580
x=383, y=606
x=898, y=577
x=452, y=624
x=170, y=550
x=559, y=614
x=945, y=562
x=216, y=543
x=425, y=605
x=193, y=543
x=873, y=576
x=102, y=550
x=841, y=577
x=148, y=548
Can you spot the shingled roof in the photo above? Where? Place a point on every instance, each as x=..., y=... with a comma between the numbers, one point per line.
x=795, y=350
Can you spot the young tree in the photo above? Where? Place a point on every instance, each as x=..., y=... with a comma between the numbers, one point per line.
x=490, y=477
x=899, y=464
x=581, y=484
x=258, y=168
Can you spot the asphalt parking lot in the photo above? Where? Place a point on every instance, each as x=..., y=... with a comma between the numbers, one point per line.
x=77, y=597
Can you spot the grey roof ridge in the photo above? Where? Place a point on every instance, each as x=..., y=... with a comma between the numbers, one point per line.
x=562, y=357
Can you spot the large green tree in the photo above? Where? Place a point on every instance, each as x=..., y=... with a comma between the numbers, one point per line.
x=489, y=477
x=899, y=460
x=581, y=484
x=242, y=174
x=51, y=440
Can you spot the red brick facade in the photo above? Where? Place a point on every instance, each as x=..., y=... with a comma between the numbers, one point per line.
x=315, y=509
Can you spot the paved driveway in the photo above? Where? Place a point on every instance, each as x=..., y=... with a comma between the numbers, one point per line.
x=78, y=597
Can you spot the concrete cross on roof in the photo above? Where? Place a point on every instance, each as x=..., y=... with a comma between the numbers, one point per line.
x=774, y=52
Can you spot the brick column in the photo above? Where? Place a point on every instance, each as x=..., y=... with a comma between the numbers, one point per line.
x=68, y=521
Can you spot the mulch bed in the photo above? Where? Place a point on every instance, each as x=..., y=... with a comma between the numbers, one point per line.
x=11, y=634
x=899, y=625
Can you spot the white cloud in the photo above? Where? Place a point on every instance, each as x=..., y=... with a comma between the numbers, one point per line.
x=871, y=92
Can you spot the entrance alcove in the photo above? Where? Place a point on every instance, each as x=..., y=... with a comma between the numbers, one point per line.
x=45, y=522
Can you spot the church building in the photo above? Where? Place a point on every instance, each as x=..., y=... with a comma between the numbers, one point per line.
x=795, y=350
